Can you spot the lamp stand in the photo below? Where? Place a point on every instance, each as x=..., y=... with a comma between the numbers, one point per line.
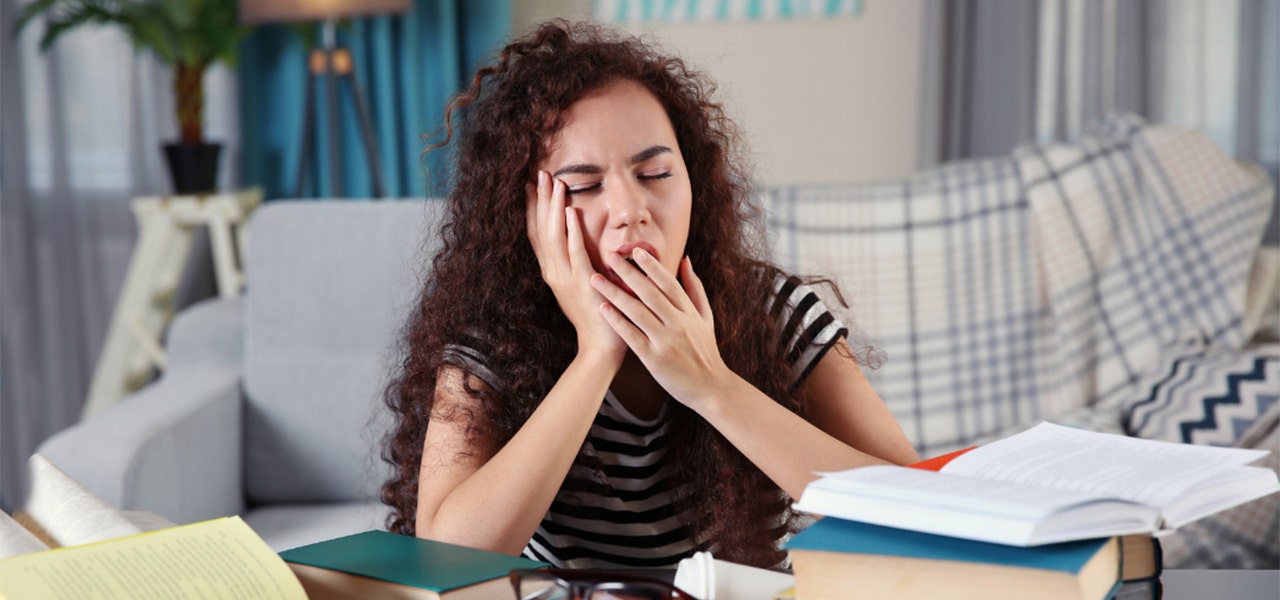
x=337, y=66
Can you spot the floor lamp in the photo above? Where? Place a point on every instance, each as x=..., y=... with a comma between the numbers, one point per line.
x=335, y=65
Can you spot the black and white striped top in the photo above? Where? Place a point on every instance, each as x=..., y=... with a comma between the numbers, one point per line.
x=624, y=516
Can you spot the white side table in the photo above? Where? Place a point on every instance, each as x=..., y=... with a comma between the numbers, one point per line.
x=145, y=305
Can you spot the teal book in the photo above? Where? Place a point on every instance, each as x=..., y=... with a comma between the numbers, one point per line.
x=387, y=565
x=837, y=558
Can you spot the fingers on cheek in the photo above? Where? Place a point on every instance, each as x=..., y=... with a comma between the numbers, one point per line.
x=572, y=217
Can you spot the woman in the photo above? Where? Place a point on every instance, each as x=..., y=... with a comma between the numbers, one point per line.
x=601, y=371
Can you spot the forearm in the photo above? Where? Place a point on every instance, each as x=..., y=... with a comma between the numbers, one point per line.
x=787, y=448
x=499, y=505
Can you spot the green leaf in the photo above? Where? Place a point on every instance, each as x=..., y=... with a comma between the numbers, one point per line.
x=193, y=32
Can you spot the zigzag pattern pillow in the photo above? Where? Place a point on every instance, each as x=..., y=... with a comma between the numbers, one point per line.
x=1207, y=399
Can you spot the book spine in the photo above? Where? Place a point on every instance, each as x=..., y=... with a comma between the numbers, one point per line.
x=1157, y=554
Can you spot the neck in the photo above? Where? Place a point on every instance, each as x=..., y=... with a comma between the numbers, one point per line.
x=636, y=389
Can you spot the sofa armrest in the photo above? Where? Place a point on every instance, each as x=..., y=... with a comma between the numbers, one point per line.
x=175, y=447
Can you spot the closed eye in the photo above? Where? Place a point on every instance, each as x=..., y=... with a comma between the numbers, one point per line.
x=594, y=187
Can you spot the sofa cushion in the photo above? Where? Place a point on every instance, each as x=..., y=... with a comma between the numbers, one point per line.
x=1198, y=396
x=1009, y=290
x=939, y=278
x=286, y=526
x=1146, y=235
x=328, y=286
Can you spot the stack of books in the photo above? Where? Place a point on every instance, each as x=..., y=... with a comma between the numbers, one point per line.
x=1052, y=512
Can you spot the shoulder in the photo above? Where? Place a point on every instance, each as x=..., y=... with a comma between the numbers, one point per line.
x=807, y=326
x=796, y=302
x=470, y=352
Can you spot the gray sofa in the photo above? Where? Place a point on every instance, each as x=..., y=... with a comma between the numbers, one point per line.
x=270, y=407
x=1069, y=282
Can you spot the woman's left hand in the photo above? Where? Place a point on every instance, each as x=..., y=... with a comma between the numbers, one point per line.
x=668, y=325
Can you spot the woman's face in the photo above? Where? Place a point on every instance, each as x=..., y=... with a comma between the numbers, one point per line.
x=622, y=168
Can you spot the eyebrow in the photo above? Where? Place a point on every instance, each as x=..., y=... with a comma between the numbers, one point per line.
x=637, y=158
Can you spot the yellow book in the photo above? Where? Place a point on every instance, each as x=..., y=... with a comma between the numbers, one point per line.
x=220, y=558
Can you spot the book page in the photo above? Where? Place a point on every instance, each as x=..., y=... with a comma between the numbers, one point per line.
x=222, y=558
x=918, y=487
x=1144, y=471
x=64, y=513
x=966, y=507
x=15, y=539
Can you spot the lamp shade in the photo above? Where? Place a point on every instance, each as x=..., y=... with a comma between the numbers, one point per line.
x=267, y=11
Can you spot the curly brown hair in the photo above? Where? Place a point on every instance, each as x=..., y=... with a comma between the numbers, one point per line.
x=503, y=121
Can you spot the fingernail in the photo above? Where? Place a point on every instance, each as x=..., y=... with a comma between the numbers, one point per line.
x=542, y=178
x=639, y=253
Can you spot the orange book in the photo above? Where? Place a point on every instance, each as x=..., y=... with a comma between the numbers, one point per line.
x=936, y=463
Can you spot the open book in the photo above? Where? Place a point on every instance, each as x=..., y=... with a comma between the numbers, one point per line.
x=60, y=512
x=68, y=543
x=1048, y=484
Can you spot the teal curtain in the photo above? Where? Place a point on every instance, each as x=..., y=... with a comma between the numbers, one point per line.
x=407, y=66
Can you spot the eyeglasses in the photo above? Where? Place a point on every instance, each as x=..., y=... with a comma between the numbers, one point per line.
x=579, y=584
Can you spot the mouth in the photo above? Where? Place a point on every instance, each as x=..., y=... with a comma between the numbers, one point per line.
x=625, y=250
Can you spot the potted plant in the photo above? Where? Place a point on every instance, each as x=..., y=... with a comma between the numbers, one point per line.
x=188, y=36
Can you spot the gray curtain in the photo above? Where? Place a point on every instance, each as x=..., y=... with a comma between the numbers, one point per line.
x=81, y=127
x=1000, y=73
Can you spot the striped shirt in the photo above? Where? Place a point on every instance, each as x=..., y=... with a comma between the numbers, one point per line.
x=623, y=514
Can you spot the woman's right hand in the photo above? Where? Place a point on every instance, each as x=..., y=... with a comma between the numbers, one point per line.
x=555, y=231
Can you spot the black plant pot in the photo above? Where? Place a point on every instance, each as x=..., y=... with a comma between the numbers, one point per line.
x=193, y=168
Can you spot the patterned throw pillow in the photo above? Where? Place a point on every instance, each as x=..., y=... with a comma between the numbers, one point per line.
x=1206, y=398
x=1220, y=399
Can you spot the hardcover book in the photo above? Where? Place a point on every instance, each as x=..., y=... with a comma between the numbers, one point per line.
x=835, y=558
x=378, y=564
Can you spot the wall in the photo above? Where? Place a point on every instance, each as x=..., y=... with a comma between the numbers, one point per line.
x=817, y=100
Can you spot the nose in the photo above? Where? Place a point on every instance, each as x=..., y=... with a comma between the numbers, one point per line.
x=628, y=205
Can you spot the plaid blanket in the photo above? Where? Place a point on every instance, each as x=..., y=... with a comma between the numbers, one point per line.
x=1035, y=286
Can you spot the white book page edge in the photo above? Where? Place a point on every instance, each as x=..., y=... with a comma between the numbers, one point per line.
x=970, y=508
x=69, y=513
